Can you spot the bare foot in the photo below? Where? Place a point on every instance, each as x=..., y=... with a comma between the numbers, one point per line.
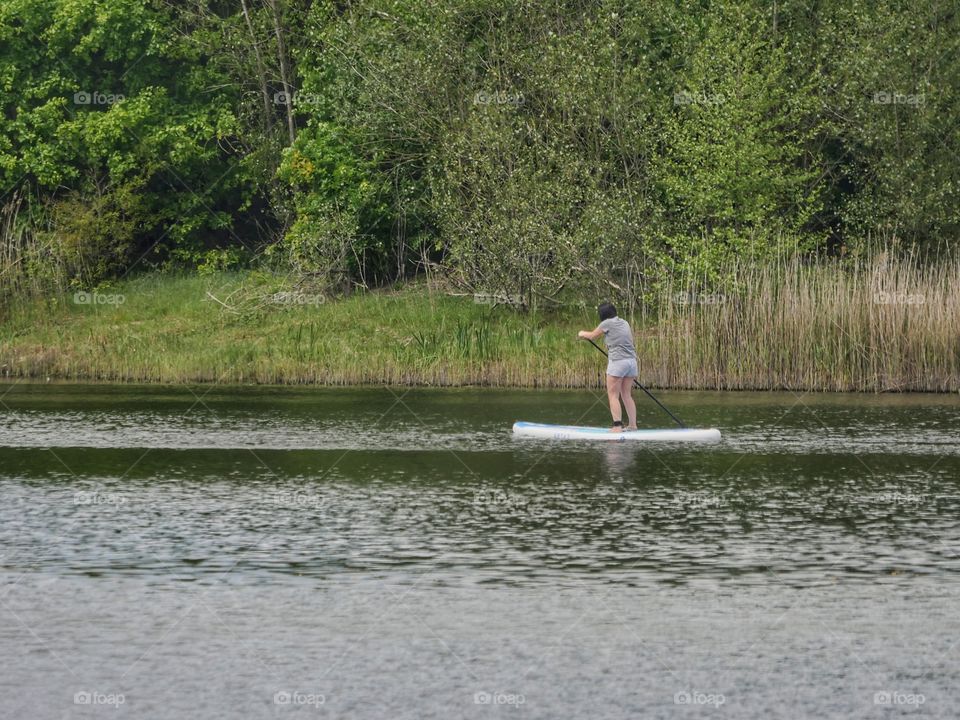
x=616, y=428
x=631, y=427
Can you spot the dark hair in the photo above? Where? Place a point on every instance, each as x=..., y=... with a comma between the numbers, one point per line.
x=607, y=311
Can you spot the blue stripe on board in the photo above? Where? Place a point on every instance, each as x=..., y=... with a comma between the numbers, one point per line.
x=598, y=430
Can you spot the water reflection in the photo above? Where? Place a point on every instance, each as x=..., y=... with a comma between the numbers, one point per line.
x=619, y=458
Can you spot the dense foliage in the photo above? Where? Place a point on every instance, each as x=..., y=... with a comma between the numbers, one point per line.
x=527, y=149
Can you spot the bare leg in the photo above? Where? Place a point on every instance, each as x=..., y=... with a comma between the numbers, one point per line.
x=626, y=394
x=613, y=395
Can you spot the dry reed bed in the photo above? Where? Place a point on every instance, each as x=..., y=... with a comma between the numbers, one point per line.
x=891, y=326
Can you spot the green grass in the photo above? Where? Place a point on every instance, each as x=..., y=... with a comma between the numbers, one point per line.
x=889, y=326
x=169, y=330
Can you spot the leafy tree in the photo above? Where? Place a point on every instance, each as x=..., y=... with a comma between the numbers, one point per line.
x=735, y=176
x=128, y=137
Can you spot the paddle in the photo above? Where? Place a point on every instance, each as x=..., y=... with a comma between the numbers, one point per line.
x=636, y=382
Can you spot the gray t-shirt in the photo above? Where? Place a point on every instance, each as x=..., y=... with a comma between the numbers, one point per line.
x=619, y=339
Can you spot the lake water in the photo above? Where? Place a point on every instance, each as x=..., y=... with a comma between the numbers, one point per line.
x=213, y=552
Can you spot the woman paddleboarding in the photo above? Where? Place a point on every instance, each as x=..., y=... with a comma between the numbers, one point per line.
x=621, y=364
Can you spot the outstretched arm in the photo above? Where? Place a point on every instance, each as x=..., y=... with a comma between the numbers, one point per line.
x=590, y=334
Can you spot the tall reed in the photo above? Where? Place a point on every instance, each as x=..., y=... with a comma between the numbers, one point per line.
x=29, y=264
x=884, y=326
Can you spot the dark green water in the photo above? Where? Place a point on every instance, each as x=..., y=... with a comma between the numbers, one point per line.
x=236, y=552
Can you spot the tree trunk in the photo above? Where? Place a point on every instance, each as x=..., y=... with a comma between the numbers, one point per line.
x=284, y=69
x=261, y=72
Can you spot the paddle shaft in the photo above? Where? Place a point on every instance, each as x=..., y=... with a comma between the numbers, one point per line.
x=649, y=394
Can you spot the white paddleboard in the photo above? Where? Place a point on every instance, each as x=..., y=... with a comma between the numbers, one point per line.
x=573, y=432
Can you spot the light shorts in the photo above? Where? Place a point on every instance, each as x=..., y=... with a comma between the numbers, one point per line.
x=622, y=368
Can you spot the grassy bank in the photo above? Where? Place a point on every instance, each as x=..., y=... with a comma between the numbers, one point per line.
x=194, y=330
x=885, y=328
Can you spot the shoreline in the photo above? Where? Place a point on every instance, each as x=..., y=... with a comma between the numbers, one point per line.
x=38, y=381
x=816, y=331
